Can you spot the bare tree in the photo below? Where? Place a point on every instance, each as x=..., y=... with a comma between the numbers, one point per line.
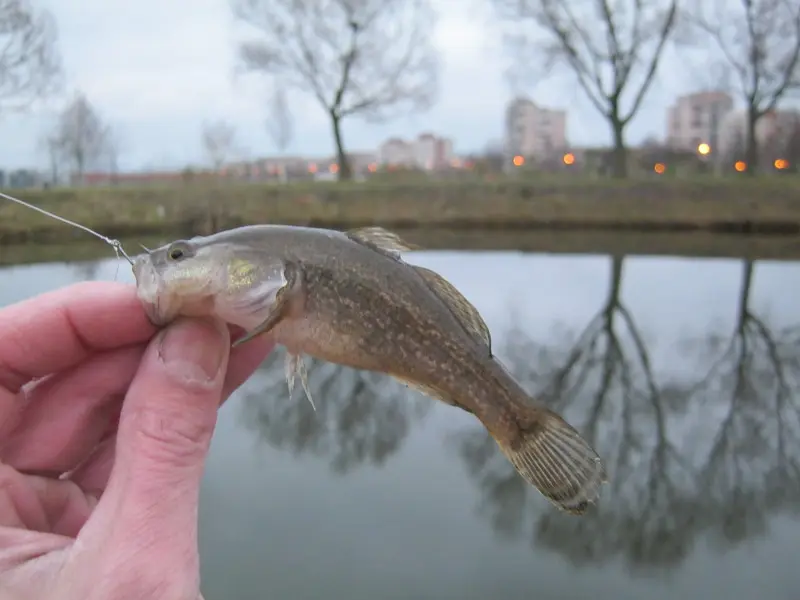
x=613, y=49
x=760, y=40
x=81, y=135
x=30, y=65
x=49, y=143
x=372, y=58
x=218, y=142
x=279, y=123
x=112, y=150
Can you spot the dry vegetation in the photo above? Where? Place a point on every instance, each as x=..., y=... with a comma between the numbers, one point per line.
x=738, y=205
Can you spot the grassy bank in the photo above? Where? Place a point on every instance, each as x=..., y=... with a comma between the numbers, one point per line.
x=763, y=206
x=599, y=242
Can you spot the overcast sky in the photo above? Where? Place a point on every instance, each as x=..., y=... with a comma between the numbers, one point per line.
x=156, y=69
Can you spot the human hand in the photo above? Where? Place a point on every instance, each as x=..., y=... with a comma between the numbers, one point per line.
x=105, y=424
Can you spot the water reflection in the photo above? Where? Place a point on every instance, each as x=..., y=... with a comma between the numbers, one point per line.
x=86, y=270
x=361, y=417
x=716, y=453
x=690, y=398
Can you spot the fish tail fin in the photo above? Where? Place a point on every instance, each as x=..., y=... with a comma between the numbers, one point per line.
x=552, y=456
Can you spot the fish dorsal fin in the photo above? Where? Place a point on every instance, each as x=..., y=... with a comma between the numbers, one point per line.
x=380, y=239
x=462, y=309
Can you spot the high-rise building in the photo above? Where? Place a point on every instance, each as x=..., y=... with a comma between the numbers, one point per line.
x=696, y=119
x=533, y=131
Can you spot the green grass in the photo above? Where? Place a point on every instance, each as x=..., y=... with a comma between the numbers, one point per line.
x=732, y=203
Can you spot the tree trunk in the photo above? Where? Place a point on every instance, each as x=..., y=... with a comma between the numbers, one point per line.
x=345, y=173
x=619, y=155
x=79, y=163
x=751, y=147
x=744, y=294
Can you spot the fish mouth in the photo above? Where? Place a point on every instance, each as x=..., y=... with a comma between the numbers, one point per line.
x=156, y=316
x=149, y=292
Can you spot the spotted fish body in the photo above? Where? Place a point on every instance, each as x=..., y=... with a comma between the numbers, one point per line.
x=349, y=298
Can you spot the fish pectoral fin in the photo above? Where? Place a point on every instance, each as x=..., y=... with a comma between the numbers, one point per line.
x=381, y=240
x=295, y=365
x=462, y=309
x=266, y=326
x=280, y=308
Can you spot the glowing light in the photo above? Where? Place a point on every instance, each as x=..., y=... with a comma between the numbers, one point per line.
x=569, y=158
x=740, y=165
x=312, y=168
x=334, y=168
x=659, y=168
x=704, y=149
x=781, y=163
x=518, y=161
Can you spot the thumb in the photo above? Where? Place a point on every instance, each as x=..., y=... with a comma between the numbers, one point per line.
x=167, y=420
x=149, y=507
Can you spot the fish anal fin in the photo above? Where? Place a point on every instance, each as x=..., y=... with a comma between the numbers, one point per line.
x=462, y=309
x=280, y=308
x=381, y=240
x=552, y=456
x=425, y=390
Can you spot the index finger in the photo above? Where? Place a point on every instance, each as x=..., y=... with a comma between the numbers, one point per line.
x=59, y=329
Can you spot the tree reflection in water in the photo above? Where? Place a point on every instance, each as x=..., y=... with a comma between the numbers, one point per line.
x=753, y=460
x=361, y=417
x=676, y=467
x=86, y=270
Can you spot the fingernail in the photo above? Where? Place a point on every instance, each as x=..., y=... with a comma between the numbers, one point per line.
x=193, y=349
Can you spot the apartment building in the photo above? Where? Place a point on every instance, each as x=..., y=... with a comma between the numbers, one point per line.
x=534, y=131
x=428, y=152
x=696, y=119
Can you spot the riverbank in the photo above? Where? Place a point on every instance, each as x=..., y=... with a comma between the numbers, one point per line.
x=765, y=206
x=688, y=244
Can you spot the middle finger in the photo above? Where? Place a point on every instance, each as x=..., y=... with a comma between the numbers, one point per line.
x=66, y=414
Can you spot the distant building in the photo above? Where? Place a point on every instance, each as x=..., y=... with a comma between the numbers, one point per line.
x=428, y=152
x=396, y=152
x=773, y=131
x=533, y=131
x=361, y=162
x=696, y=119
x=433, y=152
x=21, y=178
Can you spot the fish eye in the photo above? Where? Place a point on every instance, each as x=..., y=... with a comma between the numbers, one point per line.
x=178, y=250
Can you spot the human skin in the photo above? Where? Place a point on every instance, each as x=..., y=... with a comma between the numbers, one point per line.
x=105, y=424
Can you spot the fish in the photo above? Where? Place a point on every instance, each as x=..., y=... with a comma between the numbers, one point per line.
x=350, y=298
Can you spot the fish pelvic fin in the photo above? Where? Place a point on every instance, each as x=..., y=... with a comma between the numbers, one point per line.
x=296, y=366
x=552, y=456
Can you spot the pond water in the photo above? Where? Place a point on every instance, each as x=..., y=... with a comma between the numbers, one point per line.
x=685, y=373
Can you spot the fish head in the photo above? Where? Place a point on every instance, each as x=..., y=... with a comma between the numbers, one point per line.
x=204, y=277
x=175, y=279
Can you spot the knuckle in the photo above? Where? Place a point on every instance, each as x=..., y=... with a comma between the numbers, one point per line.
x=170, y=433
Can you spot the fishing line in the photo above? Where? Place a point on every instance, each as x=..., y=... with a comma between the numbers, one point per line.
x=115, y=244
